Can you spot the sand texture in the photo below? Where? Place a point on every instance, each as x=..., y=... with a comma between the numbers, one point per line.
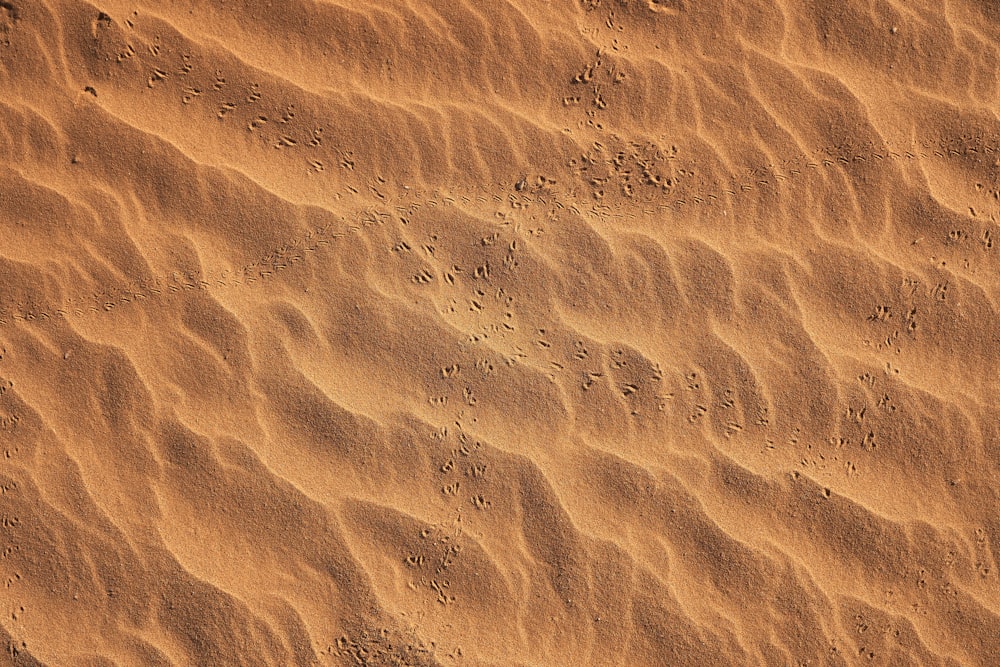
x=499, y=333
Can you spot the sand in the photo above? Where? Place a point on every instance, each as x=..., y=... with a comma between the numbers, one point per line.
x=540, y=332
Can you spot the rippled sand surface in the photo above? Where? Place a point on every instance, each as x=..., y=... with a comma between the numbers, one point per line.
x=538, y=332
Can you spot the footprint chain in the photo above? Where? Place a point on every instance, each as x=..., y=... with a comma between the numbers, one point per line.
x=317, y=239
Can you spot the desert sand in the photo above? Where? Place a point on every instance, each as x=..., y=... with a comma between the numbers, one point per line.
x=514, y=332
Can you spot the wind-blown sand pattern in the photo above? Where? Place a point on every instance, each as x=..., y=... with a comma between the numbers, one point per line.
x=541, y=332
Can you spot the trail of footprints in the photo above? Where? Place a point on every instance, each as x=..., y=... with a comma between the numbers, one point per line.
x=580, y=365
x=491, y=318
x=476, y=301
x=383, y=647
x=543, y=193
x=11, y=524
x=206, y=89
x=651, y=173
x=640, y=386
x=652, y=177
x=646, y=173
x=486, y=310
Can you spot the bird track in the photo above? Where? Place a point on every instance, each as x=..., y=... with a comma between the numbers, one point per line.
x=314, y=241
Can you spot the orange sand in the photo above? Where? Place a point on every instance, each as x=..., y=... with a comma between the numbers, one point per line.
x=541, y=332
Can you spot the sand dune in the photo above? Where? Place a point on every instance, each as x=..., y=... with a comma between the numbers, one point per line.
x=563, y=332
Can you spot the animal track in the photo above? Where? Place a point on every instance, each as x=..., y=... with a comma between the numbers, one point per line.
x=254, y=273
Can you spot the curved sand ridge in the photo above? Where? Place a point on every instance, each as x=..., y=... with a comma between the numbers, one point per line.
x=534, y=333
